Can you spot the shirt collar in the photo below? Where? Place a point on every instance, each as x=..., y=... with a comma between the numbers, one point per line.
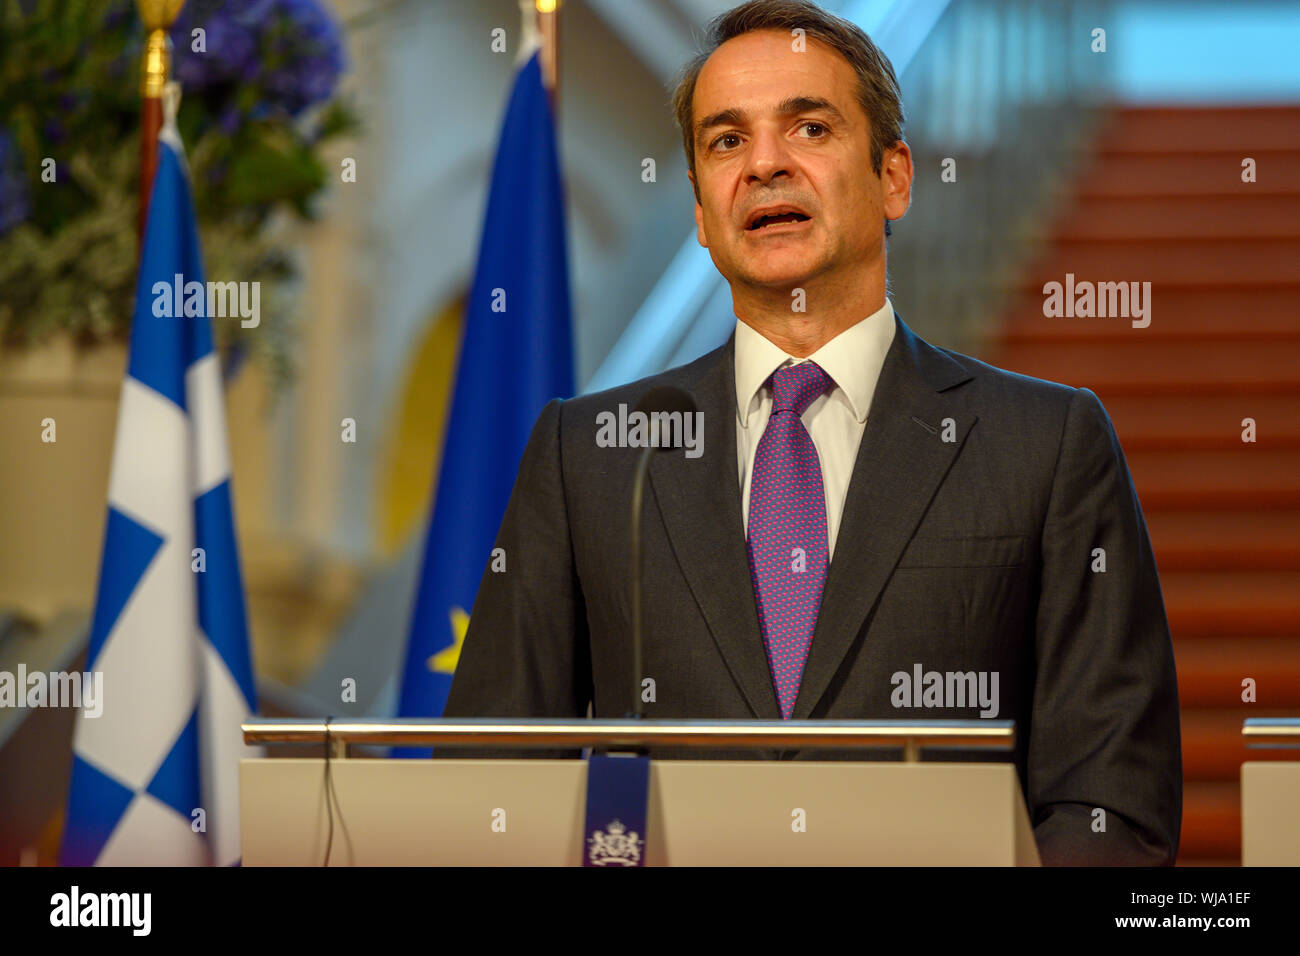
x=853, y=359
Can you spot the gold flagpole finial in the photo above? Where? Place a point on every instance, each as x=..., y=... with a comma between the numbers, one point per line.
x=155, y=71
x=158, y=16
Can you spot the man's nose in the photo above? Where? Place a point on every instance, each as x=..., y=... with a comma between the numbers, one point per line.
x=768, y=157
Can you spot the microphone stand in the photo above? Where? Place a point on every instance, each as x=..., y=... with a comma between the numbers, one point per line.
x=638, y=570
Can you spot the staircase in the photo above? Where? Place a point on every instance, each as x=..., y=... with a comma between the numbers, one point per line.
x=1162, y=201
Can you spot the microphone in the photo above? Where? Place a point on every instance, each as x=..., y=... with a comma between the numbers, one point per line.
x=659, y=400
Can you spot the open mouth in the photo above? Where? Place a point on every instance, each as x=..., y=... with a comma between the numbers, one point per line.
x=776, y=218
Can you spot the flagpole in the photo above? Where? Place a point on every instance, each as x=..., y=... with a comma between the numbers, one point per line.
x=155, y=70
x=548, y=25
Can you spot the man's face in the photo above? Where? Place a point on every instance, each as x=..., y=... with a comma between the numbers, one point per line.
x=782, y=131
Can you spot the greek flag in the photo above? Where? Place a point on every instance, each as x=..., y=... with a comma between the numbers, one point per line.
x=155, y=776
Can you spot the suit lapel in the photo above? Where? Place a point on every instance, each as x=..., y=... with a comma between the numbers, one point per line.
x=699, y=501
x=901, y=461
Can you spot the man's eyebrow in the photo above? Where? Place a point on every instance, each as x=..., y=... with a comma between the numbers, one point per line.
x=734, y=116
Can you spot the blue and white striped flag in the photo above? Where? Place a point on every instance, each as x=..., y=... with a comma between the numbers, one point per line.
x=155, y=776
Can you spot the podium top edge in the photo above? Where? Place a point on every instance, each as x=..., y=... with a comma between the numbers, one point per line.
x=545, y=732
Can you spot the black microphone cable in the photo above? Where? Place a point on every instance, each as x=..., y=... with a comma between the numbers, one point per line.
x=329, y=806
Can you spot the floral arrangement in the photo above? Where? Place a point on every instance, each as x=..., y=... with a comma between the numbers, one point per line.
x=258, y=81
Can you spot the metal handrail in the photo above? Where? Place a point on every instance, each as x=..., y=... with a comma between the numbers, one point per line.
x=911, y=735
x=1271, y=732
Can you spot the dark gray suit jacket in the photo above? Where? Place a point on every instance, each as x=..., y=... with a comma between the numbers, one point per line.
x=969, y=554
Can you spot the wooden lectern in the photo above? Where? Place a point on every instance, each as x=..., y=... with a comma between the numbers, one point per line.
x=1270, y=796
x=503, y=812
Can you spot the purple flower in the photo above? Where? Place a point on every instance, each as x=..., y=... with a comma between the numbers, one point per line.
x=14, y=206
x=289, y=52
x=229, y=121
x=118, y=15
x=230, y=44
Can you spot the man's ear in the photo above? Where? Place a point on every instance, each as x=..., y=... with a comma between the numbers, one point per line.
x=896, y=174
x=700, y=237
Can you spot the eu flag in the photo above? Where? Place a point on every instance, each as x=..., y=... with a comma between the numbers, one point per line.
x=516, y=355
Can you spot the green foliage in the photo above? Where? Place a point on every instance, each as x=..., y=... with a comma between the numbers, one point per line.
x=69, y=91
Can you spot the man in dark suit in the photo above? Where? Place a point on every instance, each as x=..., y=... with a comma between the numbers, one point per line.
x=865, y=510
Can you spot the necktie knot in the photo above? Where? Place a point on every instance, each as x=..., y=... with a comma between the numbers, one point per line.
x=795, y=387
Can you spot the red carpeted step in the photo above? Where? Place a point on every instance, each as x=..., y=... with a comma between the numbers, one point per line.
x=1210, y=603
x=1211, y=824
x=1191, y=176
x=1212, y=743
x=1159, y=129
x=1189, y=540
x=1170, y=263
x=1238, y=214
x=1203, y=422
x=1182, y=309
x=1240, y=314
x=1135, y=365
x=1211, y=670
x=1249, y=478
x=1161, y=200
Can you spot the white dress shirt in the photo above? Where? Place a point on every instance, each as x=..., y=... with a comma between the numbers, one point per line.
x=835, y=421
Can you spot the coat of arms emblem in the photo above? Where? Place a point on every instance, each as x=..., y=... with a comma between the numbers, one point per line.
x=614, y=846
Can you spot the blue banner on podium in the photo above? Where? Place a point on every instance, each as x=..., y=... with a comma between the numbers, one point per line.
x=618, y=791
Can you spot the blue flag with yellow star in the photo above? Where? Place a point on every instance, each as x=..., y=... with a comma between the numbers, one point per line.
x=517, y=354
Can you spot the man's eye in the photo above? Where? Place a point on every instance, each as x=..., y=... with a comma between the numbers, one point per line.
x=821, y=129
x=725, y=136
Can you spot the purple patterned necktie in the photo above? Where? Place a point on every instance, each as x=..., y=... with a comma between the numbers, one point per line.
x=787, y=528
